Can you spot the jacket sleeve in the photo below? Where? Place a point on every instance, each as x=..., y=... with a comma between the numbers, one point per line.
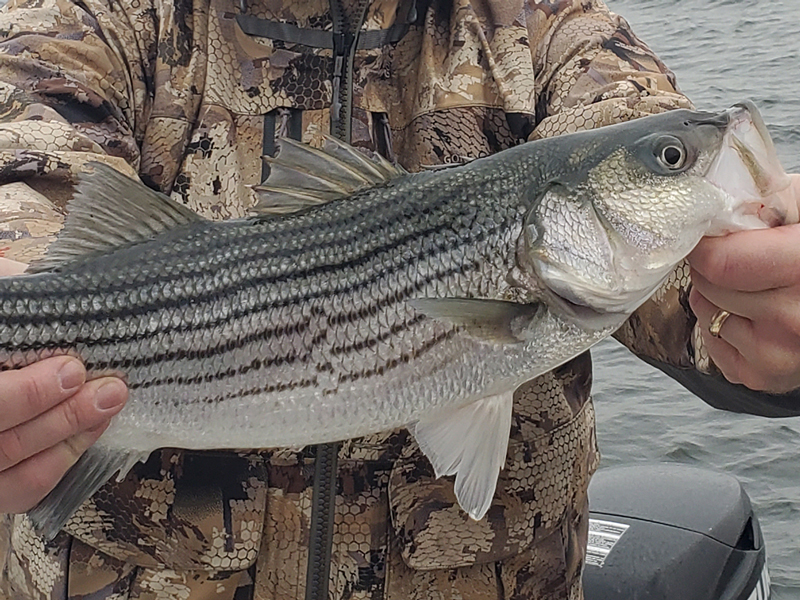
x=591, y=70
x=73, y=89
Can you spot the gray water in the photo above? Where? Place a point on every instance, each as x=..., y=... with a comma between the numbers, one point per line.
x=722, y=51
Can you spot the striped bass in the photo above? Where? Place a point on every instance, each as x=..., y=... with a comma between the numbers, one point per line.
x=378, y=299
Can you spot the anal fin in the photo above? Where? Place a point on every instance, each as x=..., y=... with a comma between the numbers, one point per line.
x=471, y=443
x=94, y=468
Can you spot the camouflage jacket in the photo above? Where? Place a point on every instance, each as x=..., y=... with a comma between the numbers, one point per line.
x=188, y=94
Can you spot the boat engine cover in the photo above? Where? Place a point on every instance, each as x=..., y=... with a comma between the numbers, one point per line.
x=668, y=531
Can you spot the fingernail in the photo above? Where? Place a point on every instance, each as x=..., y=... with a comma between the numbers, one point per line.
x=71, y=375
x=109, y=395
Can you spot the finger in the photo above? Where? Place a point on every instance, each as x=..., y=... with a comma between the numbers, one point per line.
x=11, y=267
x=738, y=368
x=755, y=260
x=737, y=331
x=790, y=198
x=751, y=305
x=26, y=393
x=94, y=404
x=727, y=359
x=742, y=355
x=724, y=355
x=24, y=485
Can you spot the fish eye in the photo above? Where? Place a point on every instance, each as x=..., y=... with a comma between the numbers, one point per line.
x=672, y=155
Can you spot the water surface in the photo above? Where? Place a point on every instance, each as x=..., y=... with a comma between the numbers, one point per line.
x=722, y=51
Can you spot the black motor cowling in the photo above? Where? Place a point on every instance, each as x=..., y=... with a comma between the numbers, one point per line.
x=672, y=532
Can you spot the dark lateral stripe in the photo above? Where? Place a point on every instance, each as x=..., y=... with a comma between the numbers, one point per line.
x=291, y=358
x=391, y=299
x=404, y=358
x=197, y=379
x=281, y=387
x=322, y=272
x=256, y=363
x=140, y=362
x=384, y=219
x=307, y=383
x=204, y=276
x=374, y=341
x=260, y=335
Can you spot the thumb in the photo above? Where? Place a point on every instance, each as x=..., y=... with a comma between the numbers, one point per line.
x=11, y=267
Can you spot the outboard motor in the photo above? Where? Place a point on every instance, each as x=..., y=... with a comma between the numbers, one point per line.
x=672, y=532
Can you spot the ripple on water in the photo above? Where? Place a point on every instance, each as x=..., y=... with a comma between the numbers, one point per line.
x=722, y=51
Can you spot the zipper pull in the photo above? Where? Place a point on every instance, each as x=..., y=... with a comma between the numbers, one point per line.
x=341, y=46
x=336, y=102
x=412, y=15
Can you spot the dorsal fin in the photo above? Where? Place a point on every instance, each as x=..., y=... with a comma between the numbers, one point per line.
x=302, y=176
x=108, y=211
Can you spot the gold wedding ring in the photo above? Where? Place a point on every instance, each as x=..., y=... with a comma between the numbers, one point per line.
x=717, y=321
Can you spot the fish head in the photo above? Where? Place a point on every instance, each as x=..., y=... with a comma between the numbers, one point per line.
x=637, y=197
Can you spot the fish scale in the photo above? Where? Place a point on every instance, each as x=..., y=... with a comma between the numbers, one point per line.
x=339, y=290
x=418, y=300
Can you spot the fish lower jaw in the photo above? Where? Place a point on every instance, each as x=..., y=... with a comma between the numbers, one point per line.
x=596, y=308
x=582, y=314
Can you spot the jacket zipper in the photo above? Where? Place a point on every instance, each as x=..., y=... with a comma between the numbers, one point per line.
x=323, y=502
x=345, y=43
x=323, y=509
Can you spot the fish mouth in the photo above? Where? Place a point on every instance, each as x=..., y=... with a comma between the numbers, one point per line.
x=747, y=169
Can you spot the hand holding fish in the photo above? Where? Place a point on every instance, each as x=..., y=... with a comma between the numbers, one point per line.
x=49, y=415
x=11, y=267
x=753, y=275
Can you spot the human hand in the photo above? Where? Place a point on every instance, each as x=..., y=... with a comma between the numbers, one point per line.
x=11, y=267
x=49, y=415
x=755, y=276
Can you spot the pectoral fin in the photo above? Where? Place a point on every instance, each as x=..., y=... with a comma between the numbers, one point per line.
x=93, y=469
x=471, y=443
x=489, y=320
